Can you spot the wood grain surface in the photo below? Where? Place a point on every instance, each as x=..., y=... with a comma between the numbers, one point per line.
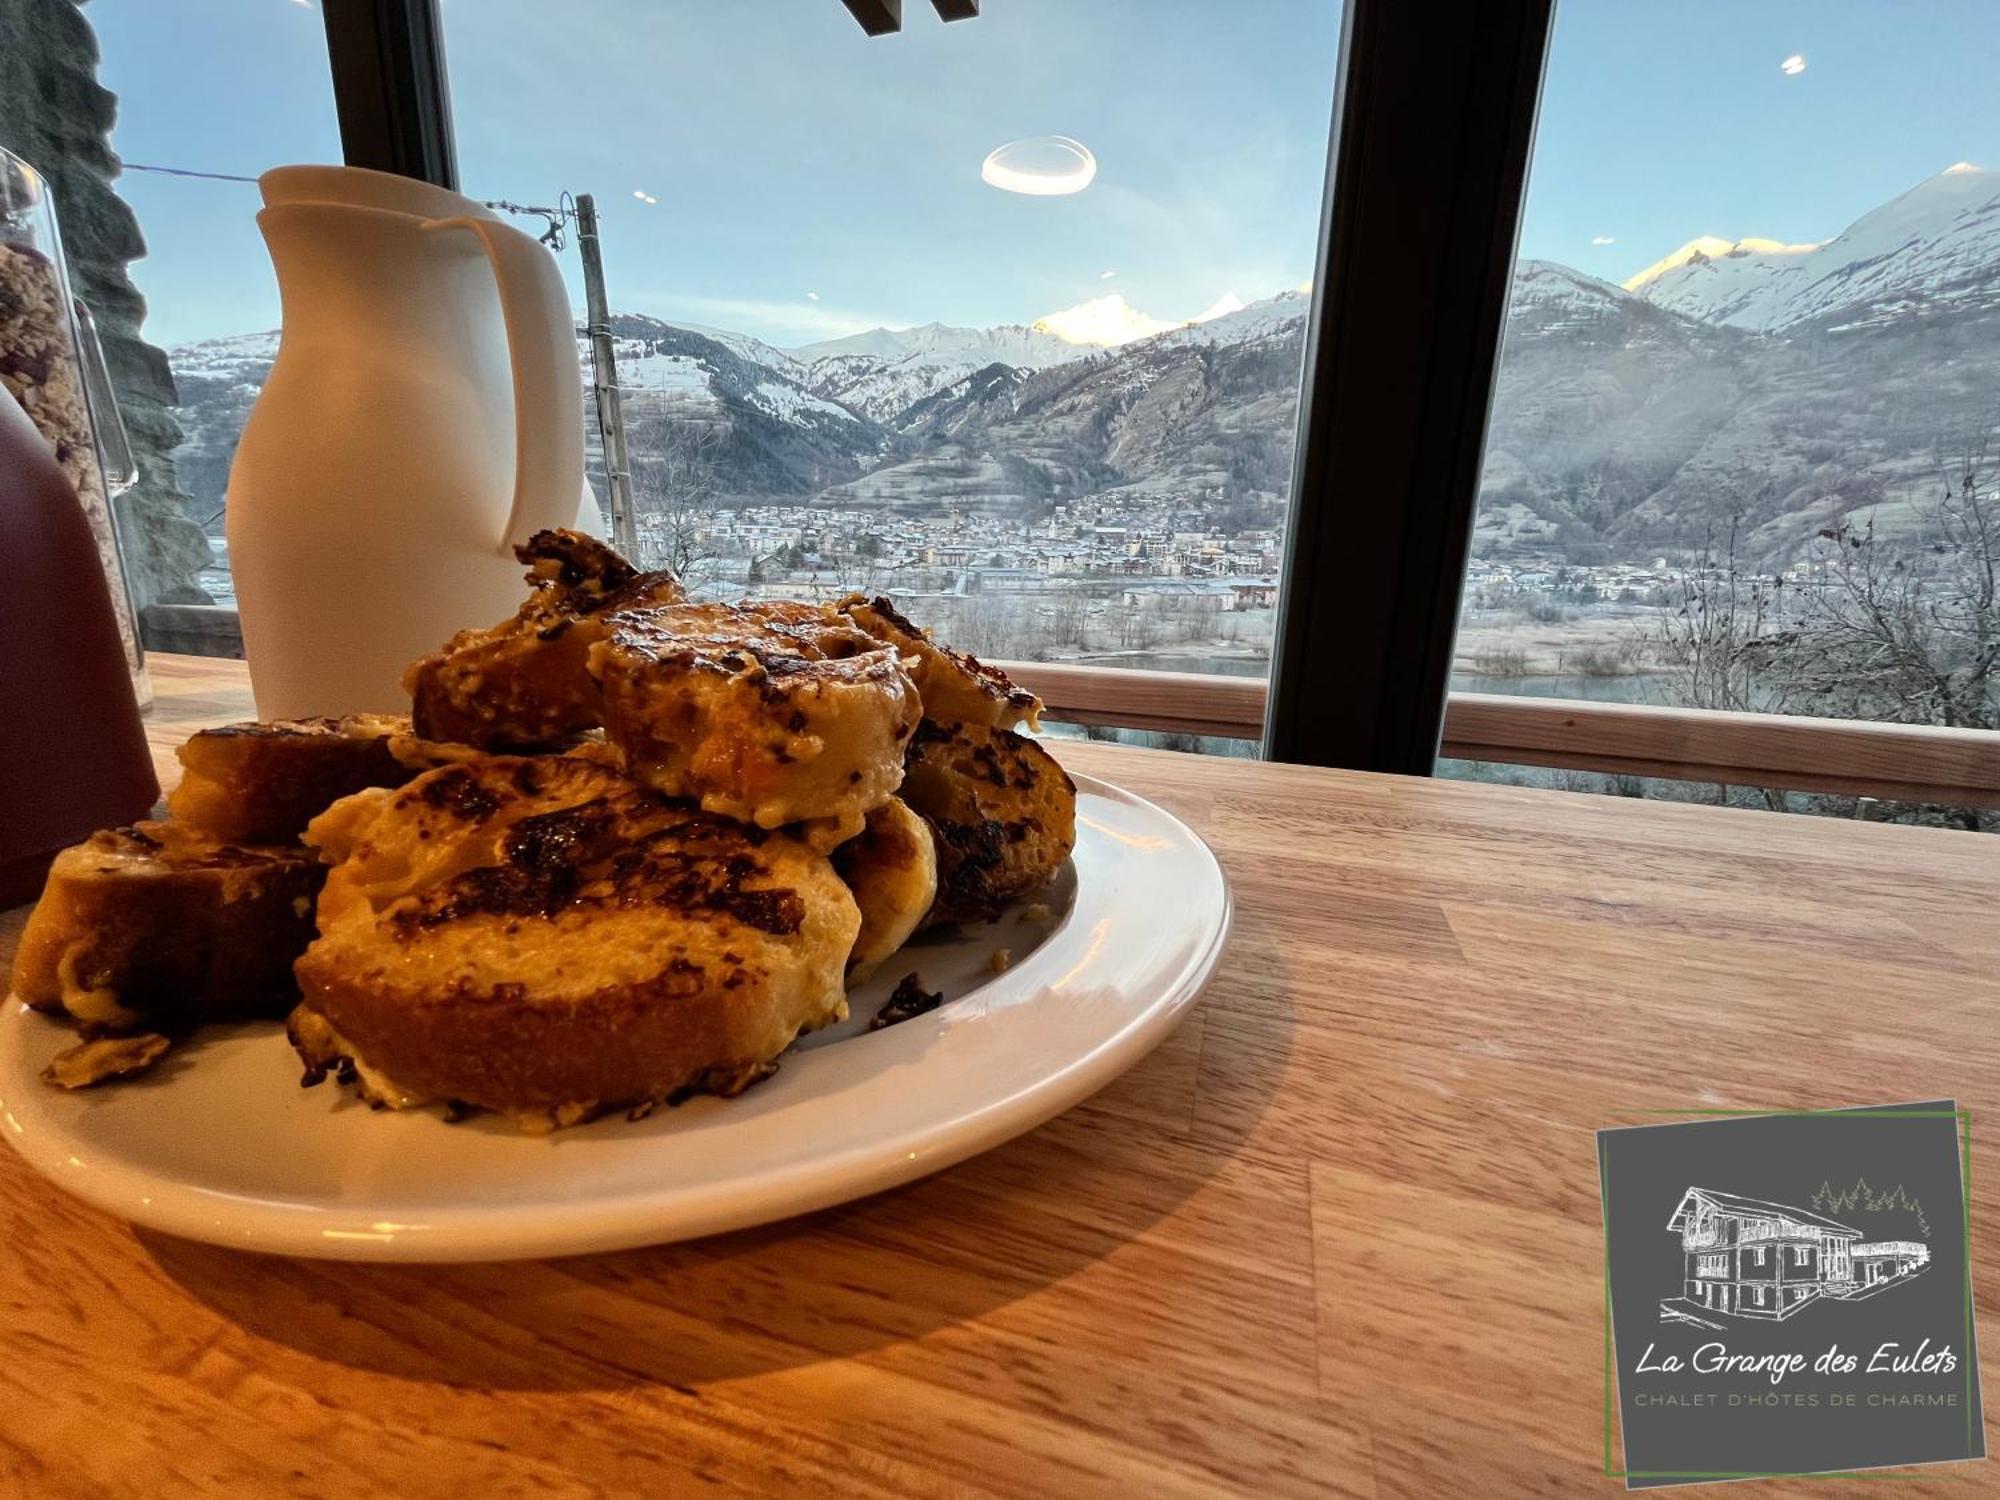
x=1338, y=1236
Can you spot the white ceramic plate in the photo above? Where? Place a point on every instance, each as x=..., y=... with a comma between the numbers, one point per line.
x=220, y=1143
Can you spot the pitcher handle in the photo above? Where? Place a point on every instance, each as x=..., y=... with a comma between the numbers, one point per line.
x=548, y=382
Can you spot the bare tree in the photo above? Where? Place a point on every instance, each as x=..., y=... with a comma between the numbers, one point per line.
x=1901, y=630
x=674, y=488
x=1714, y=638
x=1906, y=634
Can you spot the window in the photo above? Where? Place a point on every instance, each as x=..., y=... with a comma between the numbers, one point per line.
x=866, y=339
x=1800, y=1254
x=1743, y=451
x=1713, y=1265
x=193, y=99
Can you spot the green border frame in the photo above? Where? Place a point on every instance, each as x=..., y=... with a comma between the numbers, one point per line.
x=1964, y=1118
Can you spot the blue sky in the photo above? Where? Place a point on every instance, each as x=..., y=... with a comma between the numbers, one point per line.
x=811, y=181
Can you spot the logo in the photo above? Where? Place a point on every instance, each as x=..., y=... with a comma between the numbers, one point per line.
x=1746, y=1258
x=1789, y=1294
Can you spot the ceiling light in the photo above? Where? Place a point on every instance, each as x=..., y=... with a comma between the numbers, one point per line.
x=1041, y=165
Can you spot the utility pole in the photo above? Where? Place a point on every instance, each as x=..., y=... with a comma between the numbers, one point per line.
x=604, y=381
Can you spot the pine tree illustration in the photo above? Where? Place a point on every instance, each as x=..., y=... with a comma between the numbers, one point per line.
x=1861, y=1198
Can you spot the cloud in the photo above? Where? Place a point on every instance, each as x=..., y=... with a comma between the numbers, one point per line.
x=812, y=296
x=1106, y=320
x=1604, y=239
x=1228, y=302
x=1792, y=66
x=1106, y=275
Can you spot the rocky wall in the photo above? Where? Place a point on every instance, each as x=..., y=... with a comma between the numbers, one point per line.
x=56, y=116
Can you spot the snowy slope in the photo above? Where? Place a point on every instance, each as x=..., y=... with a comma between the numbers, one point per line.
x=883, y=371
x=1266, y=318
x=1008, y=344
x=1937, y=246
x=745, y=347
x=1549, y=290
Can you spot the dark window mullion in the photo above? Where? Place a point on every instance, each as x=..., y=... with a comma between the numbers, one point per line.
x=389, y=87
x=1433, y=124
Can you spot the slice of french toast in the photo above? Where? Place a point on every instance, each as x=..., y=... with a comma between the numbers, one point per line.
x=262, y=782
x=891, y=868
x=523, y=684
x=165, y=925
x=542, y=937
x=770, y=713
x=956, y=687
x=1003, y=811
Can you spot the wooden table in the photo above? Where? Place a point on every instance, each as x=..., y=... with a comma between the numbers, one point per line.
x=1339, y=1235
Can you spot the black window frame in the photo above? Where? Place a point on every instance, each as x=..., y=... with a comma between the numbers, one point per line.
x=1433, y=126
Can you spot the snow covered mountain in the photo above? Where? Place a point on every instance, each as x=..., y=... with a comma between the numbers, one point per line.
x=1785, y=385
x=1934, y=247
x=1233, y=322
x=883, y=371
x=1203, y=414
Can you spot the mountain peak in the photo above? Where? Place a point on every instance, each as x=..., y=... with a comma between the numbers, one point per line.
x=1931, y=246
x=1711, y=247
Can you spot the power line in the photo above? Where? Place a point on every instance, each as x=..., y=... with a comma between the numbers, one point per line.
x=133, y=166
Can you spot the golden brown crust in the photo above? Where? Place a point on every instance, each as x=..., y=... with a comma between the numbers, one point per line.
x=769, y=713
x=1003, y=812
x=543, y=937
x=956, y=687
x=161, y=922
x=523, y=684
x=891, y=868
x=262, y=782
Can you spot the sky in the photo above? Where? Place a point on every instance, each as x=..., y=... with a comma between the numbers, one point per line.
x=812, y=182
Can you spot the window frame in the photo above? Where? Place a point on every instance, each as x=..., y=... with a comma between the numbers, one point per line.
x=1391, y=434
x=1359, y=675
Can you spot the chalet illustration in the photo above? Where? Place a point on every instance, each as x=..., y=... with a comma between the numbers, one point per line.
x=1746, y=1258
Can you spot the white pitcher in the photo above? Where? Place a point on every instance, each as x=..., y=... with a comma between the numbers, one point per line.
x=424, y=414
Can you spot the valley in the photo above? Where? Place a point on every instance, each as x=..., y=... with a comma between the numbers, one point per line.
x=1044, y=497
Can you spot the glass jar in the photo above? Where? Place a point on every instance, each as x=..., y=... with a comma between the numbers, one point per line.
x=50, y=362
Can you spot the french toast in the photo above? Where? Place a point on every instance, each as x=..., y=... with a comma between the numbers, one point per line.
x=522, y=684
x=891, y=869
x=956, y=688
x=1001, y=807
x=769, y=713
x=544, y=938
x=164, y=924
x=261, y=783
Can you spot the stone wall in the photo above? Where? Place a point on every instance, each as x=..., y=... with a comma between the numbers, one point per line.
x=55, y=115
